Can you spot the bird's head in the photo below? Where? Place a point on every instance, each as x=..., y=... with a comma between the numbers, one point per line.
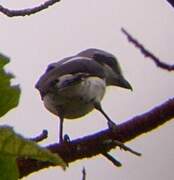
x=112, y=69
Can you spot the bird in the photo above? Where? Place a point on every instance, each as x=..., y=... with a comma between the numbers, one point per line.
x=75, y=85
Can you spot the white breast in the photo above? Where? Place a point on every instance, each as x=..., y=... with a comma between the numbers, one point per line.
x=93, y=88
x=76, y=100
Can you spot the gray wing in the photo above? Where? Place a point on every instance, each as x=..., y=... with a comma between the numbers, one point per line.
x=102, y=57
x=71, y=65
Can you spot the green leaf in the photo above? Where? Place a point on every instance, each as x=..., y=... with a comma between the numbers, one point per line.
x=8, y=168
x=13, y=146
x=9, y=95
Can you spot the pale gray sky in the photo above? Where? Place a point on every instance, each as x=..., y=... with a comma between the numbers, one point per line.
x=69, y=27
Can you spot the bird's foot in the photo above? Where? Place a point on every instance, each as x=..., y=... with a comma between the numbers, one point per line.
x=65, y=139
x=112, y=126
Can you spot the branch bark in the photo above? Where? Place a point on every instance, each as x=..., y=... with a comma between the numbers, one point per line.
x=96, y=144
x=28, y=11
x=147, y=53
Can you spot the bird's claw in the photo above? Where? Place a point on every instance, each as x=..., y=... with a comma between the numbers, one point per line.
x=66, y=138
x=112, y=126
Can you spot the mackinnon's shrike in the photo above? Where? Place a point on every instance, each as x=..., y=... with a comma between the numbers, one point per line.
x=74, y=86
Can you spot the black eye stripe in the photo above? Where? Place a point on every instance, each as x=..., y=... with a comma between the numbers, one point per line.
x=109, y=60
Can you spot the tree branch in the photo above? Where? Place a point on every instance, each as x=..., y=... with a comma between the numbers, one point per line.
x=28, y=11
x=171, y=2
x=40, y=137
x=93, y=145
x=114, y=161
x=147, y=53
x=84, y=173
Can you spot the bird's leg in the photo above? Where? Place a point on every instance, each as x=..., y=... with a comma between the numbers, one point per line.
x=65, y=138
x=111, y=124
x=61, y=130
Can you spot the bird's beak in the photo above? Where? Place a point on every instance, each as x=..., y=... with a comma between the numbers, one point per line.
x=122, y=82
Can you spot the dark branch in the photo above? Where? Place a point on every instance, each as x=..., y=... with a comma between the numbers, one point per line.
x=28, y=11
x=124, y=147
x=171, y=2
x=83, y=173
x=114, y=161
x=40, y=137
x=147, y=53
x=93, y=145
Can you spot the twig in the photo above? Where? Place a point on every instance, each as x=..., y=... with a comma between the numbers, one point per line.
x=83, y=173
x=93, y=145
x=122, y=146
x=147, y=53
x=40, y=137
x=28, y=11
x=126, y=148
x=112, y=159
